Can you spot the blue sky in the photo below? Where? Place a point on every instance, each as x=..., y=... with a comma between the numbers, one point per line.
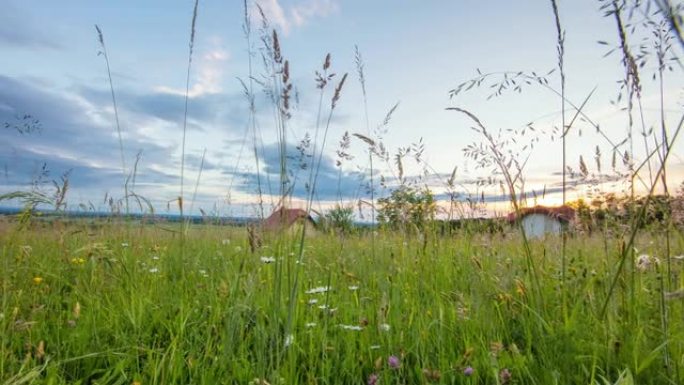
x=414, y=53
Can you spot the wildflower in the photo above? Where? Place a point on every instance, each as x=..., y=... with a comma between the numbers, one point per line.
x=432, y=375
x=468, y=371
x=385, y=327
x=77, y=261
x=353, y=288
x=267, y=259
x=327, y=308
x=289, y=339
x=40, y=350
x=375, y=347
x=351, y=327
x=225, y=242
x=643, y=262
x=318, y=290
x=312, y=301
x=77, y=310
x=155, y=257
x=393, y=362
x=124, y=244
x=373, y=379
x=505, y=376
x=309, y=325
x=495, y=348
x=26, y=250
x=154, y=270
x=678, y=257
x=37, y=280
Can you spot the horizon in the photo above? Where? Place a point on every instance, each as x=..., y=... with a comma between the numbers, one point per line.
x=56, y=106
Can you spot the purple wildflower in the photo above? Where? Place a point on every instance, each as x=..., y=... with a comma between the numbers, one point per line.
x=505, y=376
x=468, y=371
x=393, y=362
x=373, y=379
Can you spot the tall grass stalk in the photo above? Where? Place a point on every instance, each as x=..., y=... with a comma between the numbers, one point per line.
x=362, y=80
x=100, y=37
x=494, y=153
x=560, y=48
x=247, y=30
x=628, y=249
x=185, y=110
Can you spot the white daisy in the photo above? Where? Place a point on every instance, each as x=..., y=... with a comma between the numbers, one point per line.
x=351, y=327
x=318, y=290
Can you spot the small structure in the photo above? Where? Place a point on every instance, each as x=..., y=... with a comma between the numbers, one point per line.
x=539, y=221
x=287, y=219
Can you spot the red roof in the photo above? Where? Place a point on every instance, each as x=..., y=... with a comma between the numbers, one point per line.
x=562, y=213
x=284, y=218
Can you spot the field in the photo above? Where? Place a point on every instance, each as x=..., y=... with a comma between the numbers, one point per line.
x=123, y=303
x=442, y=286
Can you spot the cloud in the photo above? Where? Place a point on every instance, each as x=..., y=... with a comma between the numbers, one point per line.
x=329, y=185
x=75, y=136
x=310, y=9
x=295, y=15
x=19, y=30
x=209, y=72
x=274, y=13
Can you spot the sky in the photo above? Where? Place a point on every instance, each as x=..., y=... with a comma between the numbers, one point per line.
x=57, y=113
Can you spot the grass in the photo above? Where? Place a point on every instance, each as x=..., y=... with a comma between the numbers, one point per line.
x=107, y=304
x=123, y=303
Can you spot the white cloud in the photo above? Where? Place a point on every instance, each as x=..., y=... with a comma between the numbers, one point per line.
x=209, y=74
x=275, y=14
x=302, y=12
x=297, y=14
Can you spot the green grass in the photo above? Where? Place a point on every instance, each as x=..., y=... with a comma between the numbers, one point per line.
x=220, y=314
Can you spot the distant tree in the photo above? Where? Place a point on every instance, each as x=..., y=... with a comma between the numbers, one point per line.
x=407, y=206
x=339, y=219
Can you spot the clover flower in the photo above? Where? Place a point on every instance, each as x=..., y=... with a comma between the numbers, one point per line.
x=393, y=362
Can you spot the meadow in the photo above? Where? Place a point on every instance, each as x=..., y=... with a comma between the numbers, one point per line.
x=117, y=303
x=404, y=301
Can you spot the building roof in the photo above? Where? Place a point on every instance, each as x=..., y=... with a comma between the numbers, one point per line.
x=284, y=218
x=562, y=213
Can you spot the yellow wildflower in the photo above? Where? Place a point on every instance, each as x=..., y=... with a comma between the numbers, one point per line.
x=37, y=280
